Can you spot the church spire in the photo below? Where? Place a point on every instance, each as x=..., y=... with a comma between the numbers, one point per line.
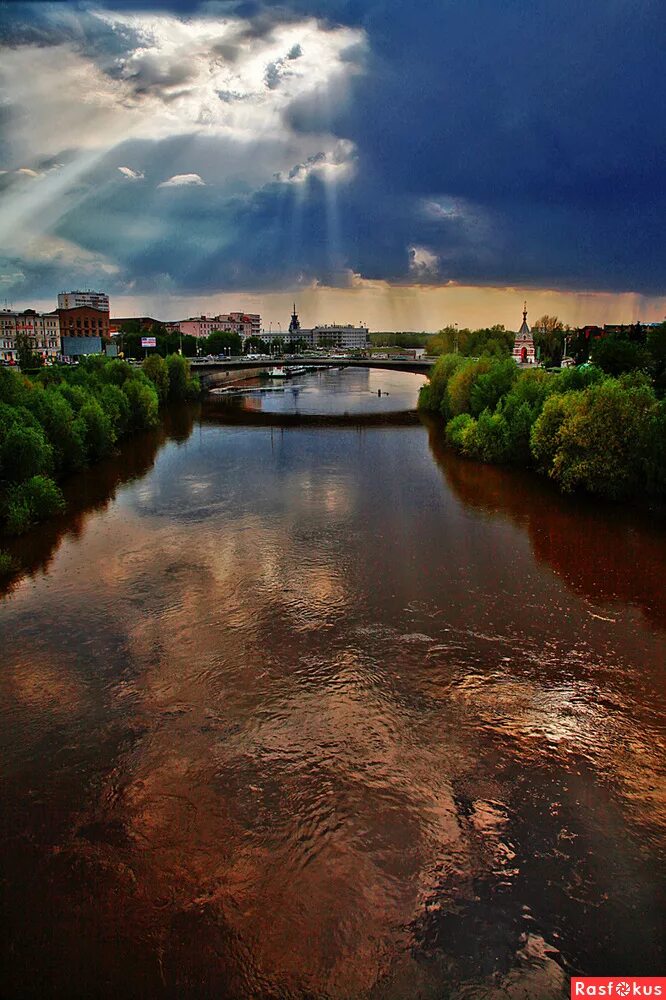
x=525, y=311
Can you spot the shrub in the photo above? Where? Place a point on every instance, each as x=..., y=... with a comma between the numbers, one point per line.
x=433, y=393
x=461, y=383
x=7, y=564
x=488, y=389
x=600, y=440
x=157, y=370
x=116, y=405
x=486, y=438
x=456, y=428
x=545, y=434
x=13, y=387
x=615, y=356
x=181, y=384
x=56, y=416
x=99, y=435
x=143, y=404
x=34, y=500
x=24, y=452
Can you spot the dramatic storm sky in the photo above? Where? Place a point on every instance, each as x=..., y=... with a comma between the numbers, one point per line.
x=406, y=164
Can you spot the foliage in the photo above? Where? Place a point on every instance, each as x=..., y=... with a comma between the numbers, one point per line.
x=62, y=418
x=488, y=388
x=255, y=345
x=182, y=385
x=7, y=564
x=432, y=396
x=616, y=355
x=600, y=440
x=220, y=341
x=461, y=384
x=584, y=429
x=157, y=371
x=656, y=346
x=389, y=339
x=457, y=428
x=24, y=452
x=143, y=405
x=27, y=357
x=486, y=438
x=35, y=499
x=548, y=334
x=493, y=341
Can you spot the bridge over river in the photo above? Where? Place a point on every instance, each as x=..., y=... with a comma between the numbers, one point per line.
x=216, y=373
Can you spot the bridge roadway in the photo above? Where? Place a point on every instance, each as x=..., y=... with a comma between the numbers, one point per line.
x=214, y=372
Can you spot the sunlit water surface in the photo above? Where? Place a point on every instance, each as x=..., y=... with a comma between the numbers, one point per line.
x=324, y=711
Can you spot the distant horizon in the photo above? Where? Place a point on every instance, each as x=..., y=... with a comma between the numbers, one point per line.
x=390, y=309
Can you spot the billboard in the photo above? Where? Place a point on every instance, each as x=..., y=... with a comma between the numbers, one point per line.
x=148, y=342
x=74, y=347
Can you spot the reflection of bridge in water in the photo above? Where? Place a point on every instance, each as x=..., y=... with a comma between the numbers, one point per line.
x=214, y=412
x=214, y=373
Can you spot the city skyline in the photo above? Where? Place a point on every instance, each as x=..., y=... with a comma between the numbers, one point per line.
x=407, y=170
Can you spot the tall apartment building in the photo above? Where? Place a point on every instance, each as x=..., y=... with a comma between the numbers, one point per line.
x=41, y=329
x=244, y=324
x=84, y=300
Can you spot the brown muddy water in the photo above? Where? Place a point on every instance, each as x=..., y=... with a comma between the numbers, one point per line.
x=323, y=711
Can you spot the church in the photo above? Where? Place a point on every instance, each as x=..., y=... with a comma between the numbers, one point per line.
x=523, y=345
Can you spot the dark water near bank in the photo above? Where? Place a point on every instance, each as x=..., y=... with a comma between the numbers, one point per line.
x=325, y=711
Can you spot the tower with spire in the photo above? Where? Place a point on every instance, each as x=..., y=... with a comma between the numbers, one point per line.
x=523, y=345
x=294, y=324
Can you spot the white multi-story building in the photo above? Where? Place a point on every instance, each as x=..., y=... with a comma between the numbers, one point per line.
x=84, y=300
x=42, y=331
x=336, y=337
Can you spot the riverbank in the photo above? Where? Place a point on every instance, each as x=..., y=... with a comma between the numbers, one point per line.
x=583, y=429
x=63, y=419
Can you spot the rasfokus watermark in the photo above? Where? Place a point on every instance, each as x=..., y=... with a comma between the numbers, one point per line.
x=619, y=986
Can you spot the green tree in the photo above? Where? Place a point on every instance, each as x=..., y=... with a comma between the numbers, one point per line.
x=598, y=436
x=27, y=356
x=220, y=341
x=615, y=355
x=143, y=404
x=157, y=371
x=489, y=388
x=461, y=383
x=24, y=452
x=548, y=333
x=181, y=383
x=656, y=346
x=255, y=345
x=433, y=394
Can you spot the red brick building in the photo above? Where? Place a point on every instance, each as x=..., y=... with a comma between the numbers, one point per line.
x=84, y=322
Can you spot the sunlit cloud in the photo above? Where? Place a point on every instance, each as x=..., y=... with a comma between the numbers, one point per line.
x=422, y=261
x=182, y=180
x=132, y=175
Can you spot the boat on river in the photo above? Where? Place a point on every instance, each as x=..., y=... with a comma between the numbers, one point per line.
x=277, y=371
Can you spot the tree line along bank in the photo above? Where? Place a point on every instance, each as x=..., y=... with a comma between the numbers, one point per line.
x=60, y=419
x=585, y=428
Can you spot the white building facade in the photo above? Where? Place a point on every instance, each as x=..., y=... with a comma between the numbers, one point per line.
x=336, y=337
x=84, y=300
x=42, y=331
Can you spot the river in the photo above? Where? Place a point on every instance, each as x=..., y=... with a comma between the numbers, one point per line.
x=295, y=704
